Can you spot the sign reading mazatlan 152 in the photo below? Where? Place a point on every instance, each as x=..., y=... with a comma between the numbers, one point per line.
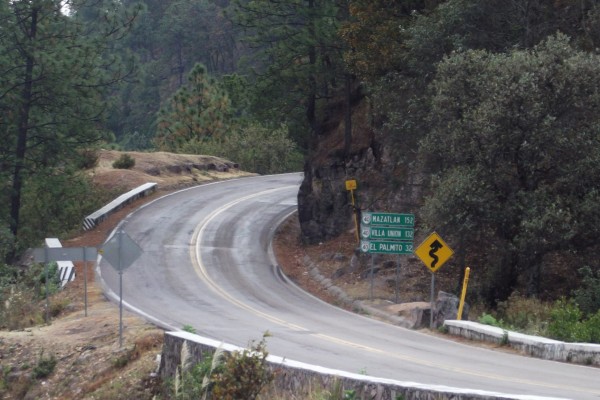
x=387, y=219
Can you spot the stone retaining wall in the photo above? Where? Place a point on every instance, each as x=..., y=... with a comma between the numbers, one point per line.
x=548, y=349
x=299, y=380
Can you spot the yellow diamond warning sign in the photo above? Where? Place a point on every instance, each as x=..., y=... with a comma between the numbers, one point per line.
x=434, y=252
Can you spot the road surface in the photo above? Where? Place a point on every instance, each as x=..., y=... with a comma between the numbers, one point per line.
x=206, y=263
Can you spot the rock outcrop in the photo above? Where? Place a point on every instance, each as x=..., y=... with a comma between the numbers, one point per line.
x=324, y=205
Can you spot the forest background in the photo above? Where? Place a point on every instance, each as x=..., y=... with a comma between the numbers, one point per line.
x=496, y=102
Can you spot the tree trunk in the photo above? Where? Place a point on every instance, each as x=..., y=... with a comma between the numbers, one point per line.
x=23, y=129
x=348, y=116
x=311, y=107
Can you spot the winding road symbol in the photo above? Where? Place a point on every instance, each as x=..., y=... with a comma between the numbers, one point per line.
x=435, y=246
x=434, y=252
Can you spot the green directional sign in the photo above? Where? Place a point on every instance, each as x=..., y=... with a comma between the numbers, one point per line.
x=372, y=246
x=387, y=219
x=374, y=232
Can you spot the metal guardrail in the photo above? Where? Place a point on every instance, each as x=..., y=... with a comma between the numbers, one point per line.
x=66, y=269
x=100, y=215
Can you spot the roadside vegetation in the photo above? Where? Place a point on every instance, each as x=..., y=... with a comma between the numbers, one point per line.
x=575, y=319
x=241, y=374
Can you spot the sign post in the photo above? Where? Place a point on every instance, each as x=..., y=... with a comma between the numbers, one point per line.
x=463, y=294
x=121, y=251
x=351, y=187
x=434, y=253
x=48, y=254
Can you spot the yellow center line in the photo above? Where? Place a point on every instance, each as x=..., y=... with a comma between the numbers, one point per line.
x=203, y=274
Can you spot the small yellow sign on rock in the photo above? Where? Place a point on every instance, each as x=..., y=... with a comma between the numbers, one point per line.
x=434, y=252
x=351, y=184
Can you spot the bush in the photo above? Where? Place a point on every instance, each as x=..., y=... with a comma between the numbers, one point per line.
x=7, y=242
x=227, y=376
x=588, y=295
x=524, y=314
x=125, y=161
x=565, y=322
x=54, y=205
x=20, y=293
x=488, y=319
x=593, y=327
x=243, y=374
x=87, y=158
x=256, y=148
x=44, y=367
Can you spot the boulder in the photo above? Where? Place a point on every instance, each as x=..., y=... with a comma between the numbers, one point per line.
x=416, y=314
x=446, y=307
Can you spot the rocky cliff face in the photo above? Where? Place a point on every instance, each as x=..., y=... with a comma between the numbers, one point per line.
x=385, y=185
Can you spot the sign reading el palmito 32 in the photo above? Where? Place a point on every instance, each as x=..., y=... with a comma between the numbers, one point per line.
x=387, y=219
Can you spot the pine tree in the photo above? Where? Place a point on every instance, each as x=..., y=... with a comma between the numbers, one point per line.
x=197, y=111
x=54, y=76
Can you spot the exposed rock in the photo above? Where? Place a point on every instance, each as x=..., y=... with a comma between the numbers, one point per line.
x=446, y=307
x=325, y=207
x=416, y=314
x=339, y=257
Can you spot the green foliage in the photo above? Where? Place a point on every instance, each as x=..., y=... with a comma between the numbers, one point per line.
x=296, y=67
x=593, y=326
x=222, y=375
x=189, y=328
x=125, y=161
x=88, y=158
x=54, y=205
x=499, y=124
x=20, y=293
x=566, y=322
x=7, y=244
x=196, y=112
x=55, y=77
x=44, y=367
x=524, y=314
x=53, y=279
x=588, y=295
x=488, y=319
x=256, y=148
x=244, y=373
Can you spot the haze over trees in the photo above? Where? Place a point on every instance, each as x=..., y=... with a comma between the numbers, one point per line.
x=496, y=100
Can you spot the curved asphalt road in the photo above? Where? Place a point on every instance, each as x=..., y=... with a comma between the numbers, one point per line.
x=206, y=263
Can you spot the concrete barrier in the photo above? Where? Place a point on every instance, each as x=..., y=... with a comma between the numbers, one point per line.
x=296, y=380
x=95, y=218
x=548, y=349
x=66, y=269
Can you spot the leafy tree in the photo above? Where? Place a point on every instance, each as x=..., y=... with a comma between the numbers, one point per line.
x=197, y=111
x=514, y=146
x=54, y=75
x=376, y=34
x=296, y=66
x=256, y=148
